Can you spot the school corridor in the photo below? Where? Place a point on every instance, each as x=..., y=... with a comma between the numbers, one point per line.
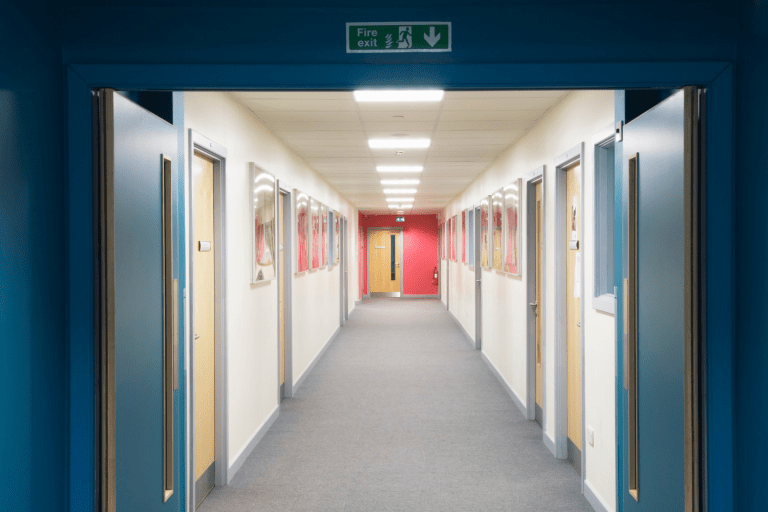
x=401, y=413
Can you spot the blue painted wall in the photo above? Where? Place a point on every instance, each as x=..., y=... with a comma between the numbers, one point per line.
x=32, y=270
x=39, y=38
x=751, y=358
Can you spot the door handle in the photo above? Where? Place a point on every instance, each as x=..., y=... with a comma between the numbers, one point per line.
x=534, y=304
x=197, y=336
x=630, y=330
x=170, y=327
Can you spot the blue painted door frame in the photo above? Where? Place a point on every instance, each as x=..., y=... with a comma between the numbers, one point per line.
x=716, y=76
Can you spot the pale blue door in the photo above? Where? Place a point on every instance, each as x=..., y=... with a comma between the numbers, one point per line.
x=141, y=297
x=657, y=211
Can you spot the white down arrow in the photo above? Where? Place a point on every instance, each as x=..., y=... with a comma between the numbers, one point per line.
x=432, y=39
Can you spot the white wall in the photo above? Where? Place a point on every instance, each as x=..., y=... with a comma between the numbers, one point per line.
x=573, y=120
x=251, y=316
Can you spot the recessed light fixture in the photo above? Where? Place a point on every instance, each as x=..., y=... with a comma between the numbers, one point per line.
x=399, y=182
x=394, y=207
x=399, y=168
x=406, y=206
x=399, y=199
x=399, y=95
x=399, y=190
x=398, y=143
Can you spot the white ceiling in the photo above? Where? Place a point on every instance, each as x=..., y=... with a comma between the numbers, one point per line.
x=468, y=129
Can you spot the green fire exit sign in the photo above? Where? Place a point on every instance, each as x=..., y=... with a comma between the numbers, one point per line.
x=399, y=37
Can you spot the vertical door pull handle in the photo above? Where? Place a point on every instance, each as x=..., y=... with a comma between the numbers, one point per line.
x=630, y=328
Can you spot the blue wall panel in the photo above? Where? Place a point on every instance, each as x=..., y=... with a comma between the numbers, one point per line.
x=751, y=269
x=32, y=260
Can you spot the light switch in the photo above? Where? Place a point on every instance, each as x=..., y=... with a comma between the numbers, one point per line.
x=205, y=246
x=591, y=436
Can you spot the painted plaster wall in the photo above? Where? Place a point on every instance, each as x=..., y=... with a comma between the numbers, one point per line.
x=573, y=120
x=252, y=309
x=419, y=249
x=751, y=254
x=33, y=388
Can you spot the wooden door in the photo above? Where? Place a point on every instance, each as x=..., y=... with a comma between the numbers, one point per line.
x=539, y=300
x=204, y=328
x=385, y=262
x=281, y=277
x=573, y=247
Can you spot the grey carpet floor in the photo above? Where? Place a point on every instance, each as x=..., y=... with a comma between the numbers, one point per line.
x=400, y=414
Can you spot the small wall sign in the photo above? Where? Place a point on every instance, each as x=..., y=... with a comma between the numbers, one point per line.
x=400, y=219
x=399, y=37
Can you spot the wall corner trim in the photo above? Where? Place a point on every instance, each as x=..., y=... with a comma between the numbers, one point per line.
x=518, y=402
x=251, y=445
x=594, y=499
x=550, y=444
x=466, y=334
x=304, y=375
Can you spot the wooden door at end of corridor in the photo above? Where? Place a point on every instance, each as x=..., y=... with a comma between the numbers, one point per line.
x=204, y=324
x=573, y=310
x=385, y=272
x=539, y=309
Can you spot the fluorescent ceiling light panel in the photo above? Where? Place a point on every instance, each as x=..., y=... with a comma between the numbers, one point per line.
x=394, y=207
x=399, y=182
x=398, y=143
x=399, y=190
x=406, y=206
x=399, y=168
x=399, y=199
x=390, y=95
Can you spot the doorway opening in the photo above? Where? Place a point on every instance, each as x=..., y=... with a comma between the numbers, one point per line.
x=207, y=396
x=534, y=193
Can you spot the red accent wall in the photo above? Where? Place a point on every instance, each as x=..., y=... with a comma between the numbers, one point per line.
x=419, y=250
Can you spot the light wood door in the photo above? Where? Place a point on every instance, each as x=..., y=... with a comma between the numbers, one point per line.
x=204, y=317
x=385, y=261
x=281, y=277
x=539, y=302
x=573, y=302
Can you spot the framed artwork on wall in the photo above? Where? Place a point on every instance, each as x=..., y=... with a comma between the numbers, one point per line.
x=485, y=243
x=450, y=239
x=454, y=234
x=440, y=242
x=262, y=225
x=471, y=239
x=314, y=237
x=512, y=227
x=497, y=212
x=323, y=235
x=302, y=231
x=464, y=236
x=337, y=238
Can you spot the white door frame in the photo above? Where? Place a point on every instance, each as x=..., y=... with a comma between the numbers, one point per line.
x=573, y=156
x=286, y=216
x=532, y=179
x=218, y=154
